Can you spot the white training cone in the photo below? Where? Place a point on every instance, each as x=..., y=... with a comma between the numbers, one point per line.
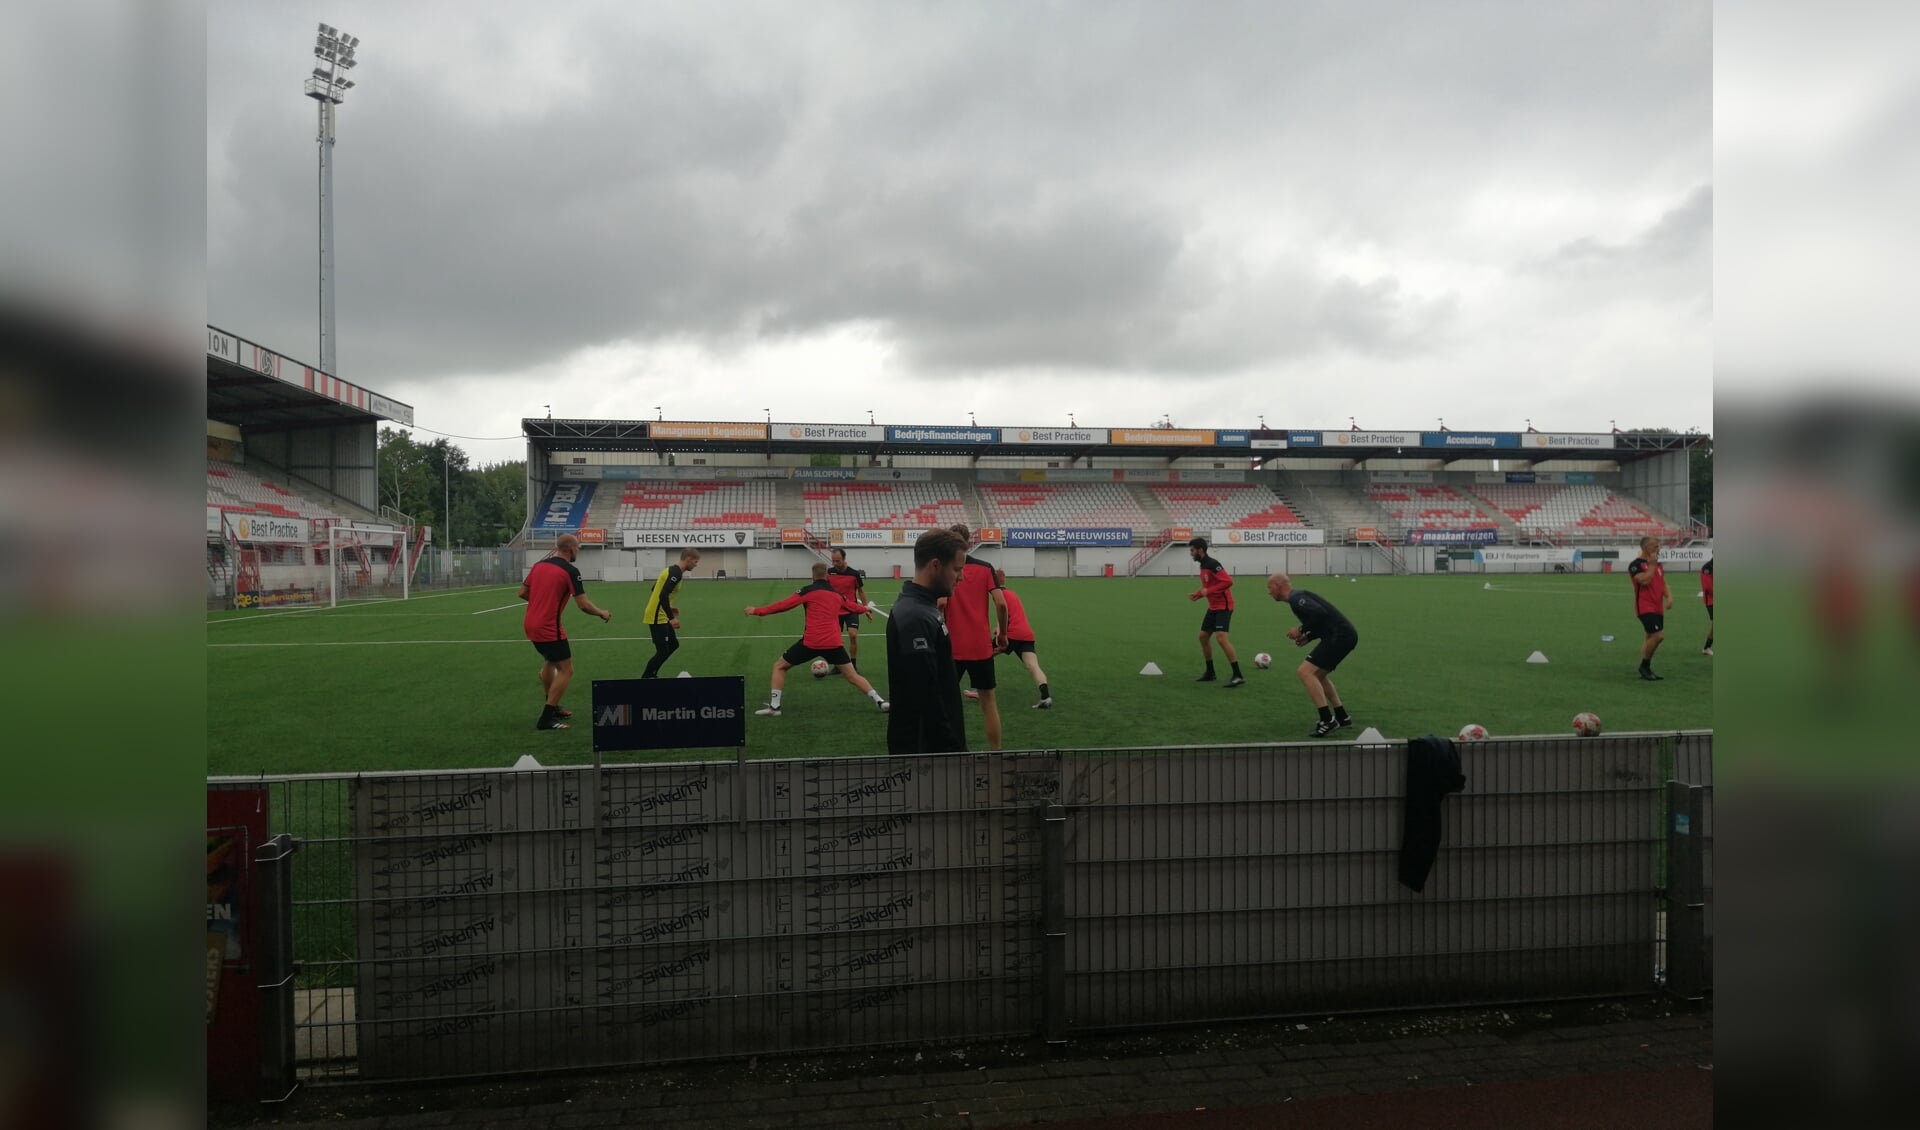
x=1537, y=657
x=1370, y=736
x=528, y=761
x=684, y=675
x=1488, y=585
x=1152, y=669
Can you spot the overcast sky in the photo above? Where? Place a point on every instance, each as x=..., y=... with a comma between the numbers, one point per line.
x=1398, y=212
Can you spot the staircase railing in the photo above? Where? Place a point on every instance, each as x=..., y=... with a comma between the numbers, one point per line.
x=1147, y=552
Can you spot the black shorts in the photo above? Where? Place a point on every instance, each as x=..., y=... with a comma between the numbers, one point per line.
x=1653, y=622
x=553, y=651
x=664, y=635
x=1216, y=620
x=851, y=621
x=977, y=672
x=1329, y=652
x=1021, y=647
x=836, y=656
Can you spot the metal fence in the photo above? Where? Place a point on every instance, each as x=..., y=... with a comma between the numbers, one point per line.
x=455, y=924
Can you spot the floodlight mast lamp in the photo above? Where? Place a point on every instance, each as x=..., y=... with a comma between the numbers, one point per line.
x=328, y=85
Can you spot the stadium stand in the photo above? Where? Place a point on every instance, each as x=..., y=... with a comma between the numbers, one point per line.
x=1092, y=505
x=1583, y=510
x=881, y=506
x=1224, y=506
x=237, y=489
x=1428, y=507
x=748, y=503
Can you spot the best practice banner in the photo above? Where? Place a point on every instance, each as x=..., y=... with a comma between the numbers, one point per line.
x=681, y=539
x=1482, y=536
x=257, y=527
x=1018, y=537
x=1290, y=536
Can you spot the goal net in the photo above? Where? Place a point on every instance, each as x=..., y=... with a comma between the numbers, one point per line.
x=360, y=562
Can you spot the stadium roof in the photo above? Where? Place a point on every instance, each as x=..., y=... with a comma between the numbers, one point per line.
x=1256, y=444
x=253, y=387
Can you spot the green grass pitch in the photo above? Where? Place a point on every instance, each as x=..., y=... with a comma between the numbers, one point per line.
x=446, y=680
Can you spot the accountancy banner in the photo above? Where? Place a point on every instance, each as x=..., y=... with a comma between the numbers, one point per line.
x=1470, y=439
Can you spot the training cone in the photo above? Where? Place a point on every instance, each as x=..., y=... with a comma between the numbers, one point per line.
x=528, y=761
x=1152, y=669
x=1488, y=585
x=1537, y=657
x=684, y=675
x=1370, y=736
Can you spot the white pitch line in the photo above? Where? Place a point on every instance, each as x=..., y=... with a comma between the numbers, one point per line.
x=251, y=617
x=398, y=643
x=502, y=608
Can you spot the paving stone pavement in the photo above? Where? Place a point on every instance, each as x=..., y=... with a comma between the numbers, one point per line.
x=1049, y=1090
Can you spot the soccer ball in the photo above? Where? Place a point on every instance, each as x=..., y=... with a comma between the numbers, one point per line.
x=821, y=669
x=1586, y=724
x=1473, y=732
x=1263, y=661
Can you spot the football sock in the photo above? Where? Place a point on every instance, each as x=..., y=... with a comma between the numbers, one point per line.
x=1209, y=666
x=773, y=700
x=1236, y=671
x=875, y=696
x=1340, y=714
x=1044, y=692
x=1326, y=714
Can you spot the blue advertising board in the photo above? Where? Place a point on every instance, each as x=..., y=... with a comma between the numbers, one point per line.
x=566, y=506
x=939, y=433
x=1303, y=439
x=634, y=714
x=1470, y=439
x=1232, y=439
x=1017, y=537
x=1483, y=536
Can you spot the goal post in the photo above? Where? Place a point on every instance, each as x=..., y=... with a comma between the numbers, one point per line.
x=361, y=562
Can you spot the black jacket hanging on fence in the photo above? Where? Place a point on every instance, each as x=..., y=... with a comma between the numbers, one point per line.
x=1433, y=771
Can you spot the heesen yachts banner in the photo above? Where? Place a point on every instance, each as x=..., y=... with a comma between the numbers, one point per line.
x=1053, y=435
x=668, y=429
x=831, y=433
x=677, y=539
x=1268, y=537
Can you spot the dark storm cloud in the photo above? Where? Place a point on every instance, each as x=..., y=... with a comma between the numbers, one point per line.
x=991, y=187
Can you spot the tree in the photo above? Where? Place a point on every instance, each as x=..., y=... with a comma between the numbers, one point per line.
x=437, y=485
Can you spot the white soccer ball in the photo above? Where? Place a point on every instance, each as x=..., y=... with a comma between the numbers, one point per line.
x=1263, y=661
x=1473, y=732
x=1586, y=724
x=821, y=669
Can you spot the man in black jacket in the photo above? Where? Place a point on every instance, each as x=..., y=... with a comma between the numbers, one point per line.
x=927, y=715
x=1323, y=624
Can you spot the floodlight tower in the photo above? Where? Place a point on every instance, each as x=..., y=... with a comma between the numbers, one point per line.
x=328, y=85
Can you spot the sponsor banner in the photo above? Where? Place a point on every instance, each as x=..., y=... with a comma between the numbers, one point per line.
x=1162, y=437
x=1053, y=435
x=1590, y=441
x=278, y=598
x=390, y=409
x=239, y=351
x=793, y=537
x=569, y=471
x=1490, y=478
x=1018, y=537
x=1402, y=476
x=1694, y=555
x=1366, y=533
x=1370, y=439
x=592, y=536
x=1485, y=535
x=1525, y=555
x=236, y=829
x=1269, y=444
x=1180, y=533
x=1470, y=439
x=696, y=713
x=986, y=535
x=1142, y=475
x=1232, y=439
x=1581, y=478
x=566, y=506
x=864, y=537
x=670, y=429
x=223, y=345
x=749, y=472
x=1209, y=476
x=937, y=433
x=825, y=474
x=1268, y=537
x=1303, y=439
x=681, y=539
x=262, y=527
x=681, y=474
x=895, y=475
x=830, y=433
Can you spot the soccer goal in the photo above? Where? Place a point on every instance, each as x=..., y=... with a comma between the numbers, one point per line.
x=360, y=562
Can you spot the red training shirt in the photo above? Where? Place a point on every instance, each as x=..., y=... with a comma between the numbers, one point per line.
x=1217, y=584
x=824, y=609
x=1017, y=626
x=1650, y=597
x=967, y=611
x=1706, y=583
x=551, y=583
x=847, y=582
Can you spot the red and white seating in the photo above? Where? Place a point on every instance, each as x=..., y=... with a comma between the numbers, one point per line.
x=237, y=489
x=882, y=506
x=1084, y=505
x=667, y=505
x=1223, y=506
x=1429, y=507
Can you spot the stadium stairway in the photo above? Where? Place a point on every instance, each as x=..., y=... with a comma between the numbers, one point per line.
x=1335, y=509
x=1149, y=502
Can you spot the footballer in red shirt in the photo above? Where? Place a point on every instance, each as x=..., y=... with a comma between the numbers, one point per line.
x=824, y=607
x=1706, y=594
x=1216, y=586
x=1651, y=602
x=851, y=584
x=975, y=642
x=550, y=584
x=1020, y=640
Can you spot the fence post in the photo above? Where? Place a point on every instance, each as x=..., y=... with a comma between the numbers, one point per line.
x=1686, y=892
x=1053, y=921
x=273, y=881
